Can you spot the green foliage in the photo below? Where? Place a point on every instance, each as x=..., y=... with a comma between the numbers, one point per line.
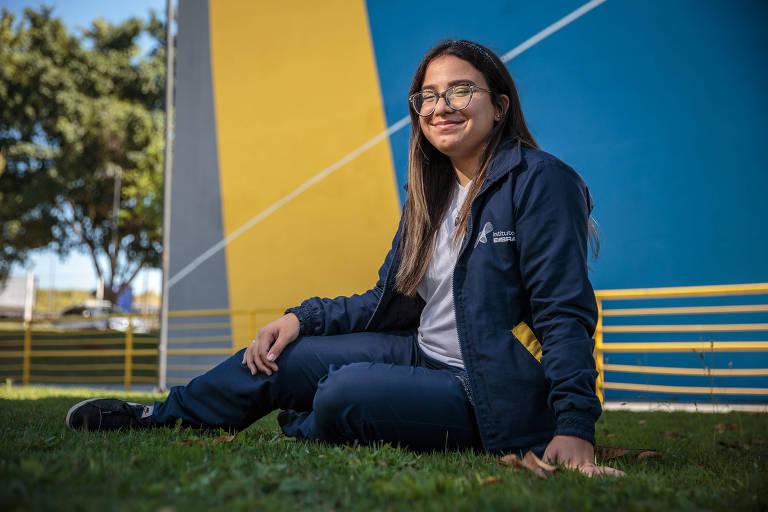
x=78, y=113
x=45, y=466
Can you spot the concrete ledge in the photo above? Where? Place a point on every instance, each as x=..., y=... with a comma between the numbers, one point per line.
x=687, y=407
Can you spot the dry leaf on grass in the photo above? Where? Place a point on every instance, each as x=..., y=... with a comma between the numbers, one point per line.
x=605, y=453
x=610, y=435
x=670, y=433
x=530, y=463
x=722, y=427
x=189, y=441
x=512, y=460
x=491, y=480
x=641, y=422
x=203, y=440
x=736, y=446
x=539, y=468
x=646, y=454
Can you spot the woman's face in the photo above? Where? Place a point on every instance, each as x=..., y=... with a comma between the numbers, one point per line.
x=458, y=134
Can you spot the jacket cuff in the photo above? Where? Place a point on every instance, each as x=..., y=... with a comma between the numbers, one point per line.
x=305, y=318
x=578, y=424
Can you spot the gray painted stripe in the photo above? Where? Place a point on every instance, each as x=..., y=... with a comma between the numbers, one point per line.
x=196, y=213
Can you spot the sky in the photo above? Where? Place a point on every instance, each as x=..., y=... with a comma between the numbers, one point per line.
x=76, y=270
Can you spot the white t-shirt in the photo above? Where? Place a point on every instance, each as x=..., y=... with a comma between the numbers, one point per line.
x=438, y=336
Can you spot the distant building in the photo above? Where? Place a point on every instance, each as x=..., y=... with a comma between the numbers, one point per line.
x=14, y=295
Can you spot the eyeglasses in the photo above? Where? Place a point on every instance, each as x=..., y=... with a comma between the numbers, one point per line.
x=457, y=97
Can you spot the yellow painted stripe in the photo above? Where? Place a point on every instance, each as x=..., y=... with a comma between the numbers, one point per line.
x=682, y=346
x=78, y=353
x=114, y=352
x=665, y=370
x=106, y=378
x=296, y=90
x=525, y=336
x=695, y=310
x=686, y=328
x=684, y=291
x=685, y=389
x=72, y=319
x=89, y=367
x=86, y=342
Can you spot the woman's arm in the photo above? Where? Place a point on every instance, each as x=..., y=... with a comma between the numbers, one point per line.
x=553, y=207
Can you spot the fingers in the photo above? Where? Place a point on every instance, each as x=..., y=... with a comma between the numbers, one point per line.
x=550, y=456
x=263, y=342
x=591, y=470
x=277, y=348
x=588, y=468
x=269, y=343
x=248, y=358
x=252, y=357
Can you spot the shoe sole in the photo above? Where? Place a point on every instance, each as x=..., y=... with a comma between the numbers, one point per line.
x=75, y=407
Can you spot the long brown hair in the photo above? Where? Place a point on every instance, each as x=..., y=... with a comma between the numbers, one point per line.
x=431, y=176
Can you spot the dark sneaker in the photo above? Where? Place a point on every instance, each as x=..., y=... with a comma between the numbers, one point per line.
x=108, y=414
x=285, y=417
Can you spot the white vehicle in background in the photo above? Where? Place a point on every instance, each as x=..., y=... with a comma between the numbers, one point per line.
x=100, y=315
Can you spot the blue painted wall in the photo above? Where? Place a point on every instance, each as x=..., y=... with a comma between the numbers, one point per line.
x=660, y=106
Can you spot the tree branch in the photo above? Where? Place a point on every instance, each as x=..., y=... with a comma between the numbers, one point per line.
x=127, y=282
x=76, y=228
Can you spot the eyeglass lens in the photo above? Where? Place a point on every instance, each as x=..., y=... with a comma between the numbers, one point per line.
x=457, y=98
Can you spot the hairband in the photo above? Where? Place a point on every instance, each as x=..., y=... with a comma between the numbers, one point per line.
x=477, y=48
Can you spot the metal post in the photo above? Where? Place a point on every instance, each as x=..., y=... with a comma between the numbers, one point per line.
x=27, y=356
x=29, y=304
x=162, y=350
x=128, y=365
x=599, y=351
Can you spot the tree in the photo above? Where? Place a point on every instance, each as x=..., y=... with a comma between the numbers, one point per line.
x=81, y=123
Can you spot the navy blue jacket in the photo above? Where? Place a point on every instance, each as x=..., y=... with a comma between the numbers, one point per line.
x=525, y=309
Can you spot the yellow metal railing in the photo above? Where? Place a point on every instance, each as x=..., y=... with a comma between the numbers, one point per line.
x=29, y=350
x=39, y=340
x=689, y=292
x=130, y=357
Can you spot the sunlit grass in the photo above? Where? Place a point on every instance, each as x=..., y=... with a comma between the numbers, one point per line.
x=45, y=466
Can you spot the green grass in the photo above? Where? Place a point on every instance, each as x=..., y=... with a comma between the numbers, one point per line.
x=45, y=466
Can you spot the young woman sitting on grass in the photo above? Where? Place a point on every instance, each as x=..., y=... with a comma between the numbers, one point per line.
x=478, y=331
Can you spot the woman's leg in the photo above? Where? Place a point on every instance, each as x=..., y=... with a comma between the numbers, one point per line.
x=418, y=407
x=228, y=396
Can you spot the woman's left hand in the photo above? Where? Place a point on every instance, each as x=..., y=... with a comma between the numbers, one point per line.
x=577, y=453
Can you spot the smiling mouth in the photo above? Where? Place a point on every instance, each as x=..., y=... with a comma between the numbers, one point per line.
x=445, y=125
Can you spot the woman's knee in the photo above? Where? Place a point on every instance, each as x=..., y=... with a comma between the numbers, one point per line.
x=340, y=402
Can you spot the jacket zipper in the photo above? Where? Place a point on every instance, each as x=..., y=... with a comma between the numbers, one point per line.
x=383, y=292
x=467, y=236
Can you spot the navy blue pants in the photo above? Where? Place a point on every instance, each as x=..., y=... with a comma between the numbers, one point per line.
x=365, y=386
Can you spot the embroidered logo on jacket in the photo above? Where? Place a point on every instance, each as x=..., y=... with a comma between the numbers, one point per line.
x=498, y=236
x=488, y=228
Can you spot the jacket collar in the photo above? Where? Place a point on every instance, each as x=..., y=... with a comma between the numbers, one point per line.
x=507, y=157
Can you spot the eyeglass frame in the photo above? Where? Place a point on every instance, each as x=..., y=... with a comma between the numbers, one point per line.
x=444, y=95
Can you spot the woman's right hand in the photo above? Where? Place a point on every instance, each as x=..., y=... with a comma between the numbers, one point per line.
x=269, y=344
